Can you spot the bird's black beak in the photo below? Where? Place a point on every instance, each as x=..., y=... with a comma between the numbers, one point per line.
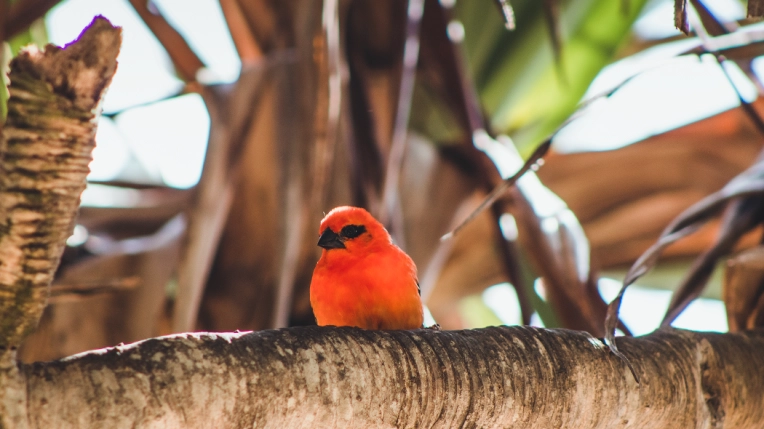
x=330, y=240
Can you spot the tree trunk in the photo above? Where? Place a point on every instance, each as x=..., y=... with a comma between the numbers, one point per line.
x=46, y=147
x=346, y=377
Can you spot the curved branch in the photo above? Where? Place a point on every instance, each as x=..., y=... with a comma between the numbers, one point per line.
x=347, y=377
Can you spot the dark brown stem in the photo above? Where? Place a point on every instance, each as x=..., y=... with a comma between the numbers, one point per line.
x=184, y=58
x=403, y=110
x=22, y=14
x=245, y=42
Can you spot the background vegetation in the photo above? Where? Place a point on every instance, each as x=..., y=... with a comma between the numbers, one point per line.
x=415, y=110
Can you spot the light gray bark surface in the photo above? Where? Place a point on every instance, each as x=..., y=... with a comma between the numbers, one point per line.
x=345, y=377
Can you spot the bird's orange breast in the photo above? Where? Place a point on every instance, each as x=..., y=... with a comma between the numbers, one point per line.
x=375, y=291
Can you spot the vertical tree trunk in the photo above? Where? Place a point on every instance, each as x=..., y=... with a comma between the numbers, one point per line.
x=46, y=147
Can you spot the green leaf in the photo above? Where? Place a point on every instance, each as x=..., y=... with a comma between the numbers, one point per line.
x=36, y=34
x=5, y=58
x=525, y=92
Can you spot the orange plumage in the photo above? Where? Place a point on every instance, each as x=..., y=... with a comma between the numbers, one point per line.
x=362, y=278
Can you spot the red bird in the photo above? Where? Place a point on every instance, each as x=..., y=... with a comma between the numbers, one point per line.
x=362, y=278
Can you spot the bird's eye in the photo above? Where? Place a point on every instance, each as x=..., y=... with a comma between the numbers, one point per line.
x=352, y=231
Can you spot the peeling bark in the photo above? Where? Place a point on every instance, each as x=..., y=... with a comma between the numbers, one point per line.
x=346, y=377
x=47, y=143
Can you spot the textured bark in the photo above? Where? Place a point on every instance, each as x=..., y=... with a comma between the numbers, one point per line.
x=46, y=147
x=345, y=377
x=623, y=210
x=47, y=144
x=13, y=399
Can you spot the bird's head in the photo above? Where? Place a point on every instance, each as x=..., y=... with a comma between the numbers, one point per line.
x=350, y=228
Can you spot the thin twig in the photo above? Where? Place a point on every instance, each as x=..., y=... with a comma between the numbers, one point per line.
x=552, y=17
x=476, y=123
x=640, y=266
x=533, y=162
x=328, y=63
x=509, y=250
x=3, y=11
x=405, y=94
x=508, y=13
x=186, y=61
x=707, y=48
x=246, y=44
x=711, y=24
x=429, y=277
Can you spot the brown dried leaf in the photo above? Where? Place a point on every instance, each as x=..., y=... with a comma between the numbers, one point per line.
x=375, y=46
x=680, y=16
x=740, y=217
x=743, y=290
x=624, y=211
x=473, y=264
x=554, y=240
x=390, y=190
x=748, y=183
x=710, y=22
x=268, y=21
x=755, y=8
x=559, y=251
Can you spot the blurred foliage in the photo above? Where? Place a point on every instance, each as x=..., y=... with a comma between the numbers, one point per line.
x=476, y=314
x=5, y=55
x=525, y=91
x=36, y=34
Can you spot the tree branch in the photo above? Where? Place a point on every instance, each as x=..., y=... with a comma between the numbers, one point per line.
x=346, y=377
x=186, y=61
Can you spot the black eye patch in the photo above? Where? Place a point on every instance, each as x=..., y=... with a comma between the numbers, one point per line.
x=352, y=231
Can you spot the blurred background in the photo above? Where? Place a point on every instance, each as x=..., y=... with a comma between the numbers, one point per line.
x=231, y=126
